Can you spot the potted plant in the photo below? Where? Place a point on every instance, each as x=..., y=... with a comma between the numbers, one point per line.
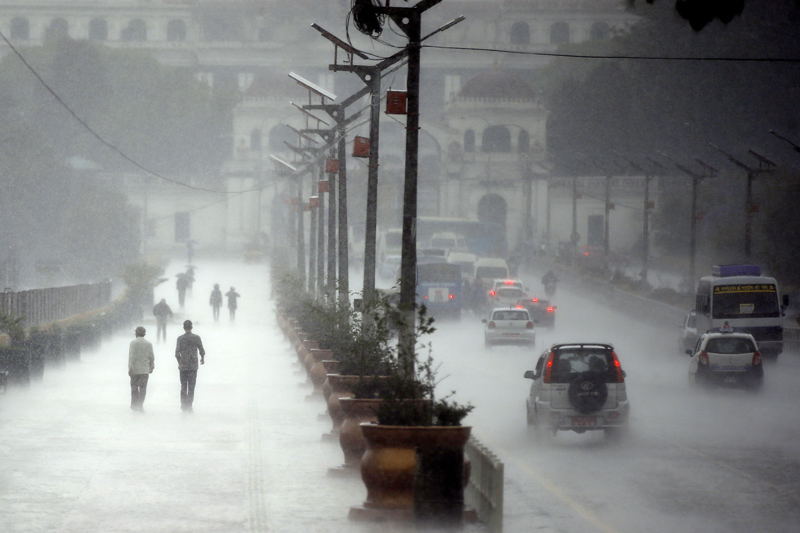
x=414, y=459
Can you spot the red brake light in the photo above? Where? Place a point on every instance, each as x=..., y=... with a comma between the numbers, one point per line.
x=534, y=300
x=508, y=282
x=548, y=369
x=491, y=324
x=451, y=296
x=756, y=358
x=618, y=368
x=551, y=309
x=491, y=293
x=703, y=358
x=529, y=325
x=585, y=253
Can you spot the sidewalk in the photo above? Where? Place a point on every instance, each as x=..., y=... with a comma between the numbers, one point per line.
x=75, y=458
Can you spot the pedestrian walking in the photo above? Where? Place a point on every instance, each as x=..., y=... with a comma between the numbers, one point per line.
x=186, y=352
x=162, y=312
x=233, y=296
x=182, y=284
x=141, y=363
x=216, y=301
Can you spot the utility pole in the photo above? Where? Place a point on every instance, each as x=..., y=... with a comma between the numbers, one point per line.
x=708, y=172
x=648, y=176
x=764, y=166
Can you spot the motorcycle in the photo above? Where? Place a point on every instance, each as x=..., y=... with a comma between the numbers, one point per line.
x=550, y=288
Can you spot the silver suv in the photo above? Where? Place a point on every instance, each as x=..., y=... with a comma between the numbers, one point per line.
x=578, y=387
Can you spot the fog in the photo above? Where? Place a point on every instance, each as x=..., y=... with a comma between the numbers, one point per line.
x=123, y=147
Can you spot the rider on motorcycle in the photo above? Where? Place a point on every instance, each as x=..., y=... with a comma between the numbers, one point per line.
x=549, y=281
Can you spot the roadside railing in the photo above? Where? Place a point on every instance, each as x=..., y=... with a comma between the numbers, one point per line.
x=39, y=306
x=791, y=339
x=484, y=492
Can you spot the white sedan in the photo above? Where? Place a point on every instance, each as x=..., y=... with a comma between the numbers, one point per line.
x=509, y=325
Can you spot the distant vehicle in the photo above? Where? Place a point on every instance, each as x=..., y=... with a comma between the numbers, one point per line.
x=504, y=293
x=466, y=261
x=489, y=268
x=482, y=238
x=748, y=301
x=726, y=359
x=449, y=241
x=389, y=268
x=439, y=288
x=578, y=387
x=509, y=326
x=390, y=242
x=688, y=334
x=542, y=313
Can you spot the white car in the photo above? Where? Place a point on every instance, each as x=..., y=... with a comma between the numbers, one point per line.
x=726, y=359
x=688, y=334
x=509, y=325
x=578, y=387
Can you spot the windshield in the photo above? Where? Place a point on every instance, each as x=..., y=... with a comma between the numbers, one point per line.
x=490, y=272
x=745, y=301
x=730, y=345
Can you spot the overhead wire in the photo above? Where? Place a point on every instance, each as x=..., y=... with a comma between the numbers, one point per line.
x=89, y=128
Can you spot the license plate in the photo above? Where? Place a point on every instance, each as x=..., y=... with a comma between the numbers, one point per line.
x=510, y=334
x=731, y=379
x=584, y=421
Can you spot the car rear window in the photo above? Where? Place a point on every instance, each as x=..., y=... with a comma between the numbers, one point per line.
x=730, y=345
x=569, y=362
x=509, y=292
x=511, y=314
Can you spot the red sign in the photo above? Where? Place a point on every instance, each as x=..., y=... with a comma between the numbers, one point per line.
x=313, y=201
x=323, y=186
x=361, y=147
x=396, y=103
x=331, y=166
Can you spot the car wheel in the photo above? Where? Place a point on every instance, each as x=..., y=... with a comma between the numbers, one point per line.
x=587, y=392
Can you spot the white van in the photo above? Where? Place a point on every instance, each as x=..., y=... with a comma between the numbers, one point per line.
x=490, y=268
x=466, y=261
x=390, y=242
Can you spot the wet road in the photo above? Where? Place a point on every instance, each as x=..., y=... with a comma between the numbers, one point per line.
x=723, y=460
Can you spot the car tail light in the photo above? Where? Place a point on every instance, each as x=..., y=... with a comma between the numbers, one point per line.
x=613, y=415
x=452, y=297
x=618, y=368
x=585, y=253
x=551, y=309
x=548, y=369
x=491, y=324
x=491, y=293
x=508, y=282
x=756, y=358
x=703, y=358
x=529, y=325
x=535, y=300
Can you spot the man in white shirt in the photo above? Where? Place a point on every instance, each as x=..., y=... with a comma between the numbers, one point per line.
x=140, y=366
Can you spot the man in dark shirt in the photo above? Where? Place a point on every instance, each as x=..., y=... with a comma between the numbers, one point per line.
x=186, y=352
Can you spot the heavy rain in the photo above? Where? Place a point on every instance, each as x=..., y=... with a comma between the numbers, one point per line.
x=564, y=231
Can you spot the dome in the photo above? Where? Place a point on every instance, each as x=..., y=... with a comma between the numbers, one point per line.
x=497, y=84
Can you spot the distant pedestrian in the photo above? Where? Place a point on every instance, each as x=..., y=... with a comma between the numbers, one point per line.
x=162, y=312
x=141, y=362
x=186, y=352
x=233, y=296
x=216, y=301
x=182, y=284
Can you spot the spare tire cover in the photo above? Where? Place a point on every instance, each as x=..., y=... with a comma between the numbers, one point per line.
x=588, y=392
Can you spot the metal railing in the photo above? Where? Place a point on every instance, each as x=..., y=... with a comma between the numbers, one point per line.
x=40, y=306
x=484, y=492
x=791, y=339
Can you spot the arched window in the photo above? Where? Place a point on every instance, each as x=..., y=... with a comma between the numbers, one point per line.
x=98, y=30
x=523, y=142
x=559, y=33
x=58, y=29
x=136, y=31
x=469, y=141
x=176, y=30
x=600, y=31
x=255, y=140
x=496, y=139
x=20, y=28
x=520, y=33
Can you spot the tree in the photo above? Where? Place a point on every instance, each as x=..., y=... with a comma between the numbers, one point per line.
x=700, y=13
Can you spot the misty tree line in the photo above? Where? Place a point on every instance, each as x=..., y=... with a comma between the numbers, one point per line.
x=640, y=107
x=53, y=210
